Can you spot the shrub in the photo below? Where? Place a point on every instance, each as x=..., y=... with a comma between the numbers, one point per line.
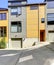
x=2, y=43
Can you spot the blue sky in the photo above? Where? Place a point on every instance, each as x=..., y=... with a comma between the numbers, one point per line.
x=4, y=3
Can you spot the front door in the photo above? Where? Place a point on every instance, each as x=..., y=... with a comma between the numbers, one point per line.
x=42, y=35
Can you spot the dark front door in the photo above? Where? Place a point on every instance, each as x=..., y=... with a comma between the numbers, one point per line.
x=42, y=35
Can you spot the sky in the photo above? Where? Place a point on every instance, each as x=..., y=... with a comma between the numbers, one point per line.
x=4, y=3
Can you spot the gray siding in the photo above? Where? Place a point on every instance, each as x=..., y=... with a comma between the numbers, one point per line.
x=21, y=18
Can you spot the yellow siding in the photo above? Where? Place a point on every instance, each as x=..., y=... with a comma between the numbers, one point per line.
x=41, y=15
x=34, y=20
x=32, y=23
x=4, y=23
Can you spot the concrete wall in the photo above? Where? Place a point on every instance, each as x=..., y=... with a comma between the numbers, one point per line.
x=21, y=18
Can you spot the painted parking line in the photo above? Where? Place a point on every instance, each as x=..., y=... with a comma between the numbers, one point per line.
x=8, y=55
x=25, y=58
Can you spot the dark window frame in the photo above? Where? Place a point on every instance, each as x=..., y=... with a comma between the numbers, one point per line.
x=50, y=18
x=17, y=27
x=33, y=7
x=2, y=16
x=16, y=13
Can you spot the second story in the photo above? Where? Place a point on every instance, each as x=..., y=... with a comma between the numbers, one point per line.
x=3, y=17
x=17, y=11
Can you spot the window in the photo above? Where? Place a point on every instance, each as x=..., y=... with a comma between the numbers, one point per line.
x=16, y=11
x=14, y=3
x=2, y=16
x=42, y=20
x=3, y=32
x=50, y=18
x=33, y=7
x=50, y=4
x=16, y=27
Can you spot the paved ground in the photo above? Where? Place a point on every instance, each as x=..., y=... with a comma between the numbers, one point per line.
x=9, y=57
x=40, y=56
x=36, y=56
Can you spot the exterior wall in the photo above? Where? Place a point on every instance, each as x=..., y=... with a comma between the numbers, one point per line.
x=42, y=12
x=4, y=23
x=41, y=15
x=21, y=18
x=32, y=23
x=50, y=36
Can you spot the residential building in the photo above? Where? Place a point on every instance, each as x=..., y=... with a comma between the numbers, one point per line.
x=4, y=24
x=35, y=24
x=50, y=20
x=17, y=22
x=26, y=23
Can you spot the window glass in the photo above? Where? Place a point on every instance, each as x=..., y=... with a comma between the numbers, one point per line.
x=50, y=4
x=2, y=16
x=15, y=3
x=16, y=27
x=16, y=11
x=19, y=10
x=50, y=18
x=42, y=20
x=33, y=7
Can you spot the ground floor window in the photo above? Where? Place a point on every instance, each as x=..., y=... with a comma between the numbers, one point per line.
x=3, y=31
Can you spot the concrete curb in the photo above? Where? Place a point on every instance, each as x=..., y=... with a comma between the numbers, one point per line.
x=29, y=48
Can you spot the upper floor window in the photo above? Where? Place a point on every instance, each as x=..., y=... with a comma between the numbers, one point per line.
x=50, y=4
x=33, y=7
x=16, y=11
x=2, y=16
x=50, y=18
x=42, y=20
x=14, y=3
x=16, y=27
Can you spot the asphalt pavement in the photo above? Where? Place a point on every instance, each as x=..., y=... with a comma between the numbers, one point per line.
x=32, y=56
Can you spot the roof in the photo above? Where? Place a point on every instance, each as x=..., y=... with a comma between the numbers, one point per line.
x=3, y=9
x=27, y=4
x=48, y=0
x=15, y=0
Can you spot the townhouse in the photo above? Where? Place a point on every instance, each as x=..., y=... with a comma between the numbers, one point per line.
x=4, y=24
x=26, y=23
x=50, y=20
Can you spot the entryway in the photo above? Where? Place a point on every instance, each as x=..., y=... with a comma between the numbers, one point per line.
x=42, y=35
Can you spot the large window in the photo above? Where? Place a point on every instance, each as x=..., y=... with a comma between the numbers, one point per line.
x=3, y=32
x=50, y=4
x=16, y=11
x=50, y=18
x=2, y=16
x=16, y=27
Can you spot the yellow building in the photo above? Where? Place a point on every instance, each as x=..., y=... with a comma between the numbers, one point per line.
x=36, y=21
x=4, y=24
